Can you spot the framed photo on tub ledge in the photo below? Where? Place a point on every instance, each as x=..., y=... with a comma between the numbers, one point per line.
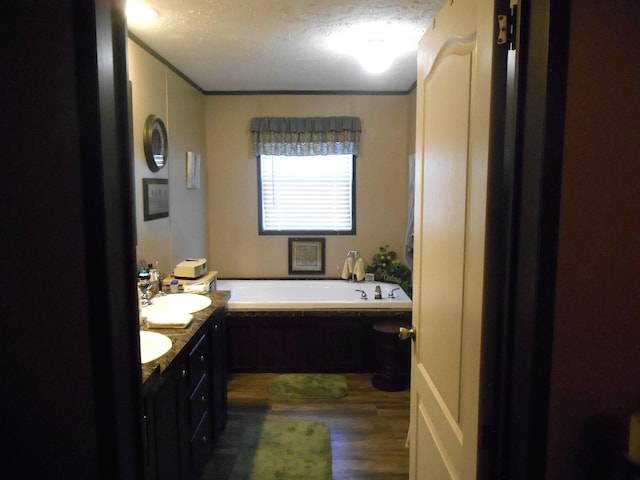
x=306, y=256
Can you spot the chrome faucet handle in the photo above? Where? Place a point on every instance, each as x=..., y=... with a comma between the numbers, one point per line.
x=364, y=294
x=391, y=295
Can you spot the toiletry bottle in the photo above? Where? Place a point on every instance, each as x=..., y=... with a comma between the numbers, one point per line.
x=154, y=279
x=143, y=277
x=144, y=285
x=174, y=286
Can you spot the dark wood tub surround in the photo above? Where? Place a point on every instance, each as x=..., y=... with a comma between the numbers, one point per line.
x=307, y=341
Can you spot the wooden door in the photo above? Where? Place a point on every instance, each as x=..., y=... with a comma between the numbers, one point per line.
x=452, y=145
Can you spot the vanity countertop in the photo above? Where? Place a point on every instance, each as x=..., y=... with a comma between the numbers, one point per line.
x=181, y=336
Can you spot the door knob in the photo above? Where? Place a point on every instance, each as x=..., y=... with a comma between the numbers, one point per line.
x=406, y=333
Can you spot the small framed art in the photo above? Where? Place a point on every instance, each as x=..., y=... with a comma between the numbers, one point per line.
x=306, y=256
x=155, y=198
x=193, y=170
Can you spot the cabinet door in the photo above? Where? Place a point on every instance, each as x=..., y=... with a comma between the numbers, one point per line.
x=197, y=440
x=218, y=375
x=149, y=430
x=200, y=445
x=166, y=402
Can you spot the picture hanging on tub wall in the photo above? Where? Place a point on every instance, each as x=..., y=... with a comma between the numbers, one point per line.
x=155, y=198
x=193, y=170
x=306, y=256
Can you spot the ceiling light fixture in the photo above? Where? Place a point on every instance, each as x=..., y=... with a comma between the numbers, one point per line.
x=376, y=45
x=139, y=13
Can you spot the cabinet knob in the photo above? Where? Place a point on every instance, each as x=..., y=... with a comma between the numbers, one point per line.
x=204, y=438
x=201, y=358
x=203, y=398
x=184, y=373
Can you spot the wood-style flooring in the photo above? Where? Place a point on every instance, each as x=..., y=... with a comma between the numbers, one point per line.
x=368, y=426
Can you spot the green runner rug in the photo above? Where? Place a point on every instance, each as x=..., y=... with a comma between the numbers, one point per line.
x=280, y=450
x=309, y=385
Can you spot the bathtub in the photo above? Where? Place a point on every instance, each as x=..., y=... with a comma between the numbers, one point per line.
x=307, y=325
x=305, y=295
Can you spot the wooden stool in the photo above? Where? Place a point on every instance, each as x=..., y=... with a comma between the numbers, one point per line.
x=395, y=366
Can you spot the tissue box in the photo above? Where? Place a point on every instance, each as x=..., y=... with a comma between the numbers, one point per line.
x=191, y=268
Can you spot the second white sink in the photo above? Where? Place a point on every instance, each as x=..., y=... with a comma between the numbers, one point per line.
x=180, y=303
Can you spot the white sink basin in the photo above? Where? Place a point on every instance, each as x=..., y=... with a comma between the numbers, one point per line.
x=153, y=345
x=178, y=303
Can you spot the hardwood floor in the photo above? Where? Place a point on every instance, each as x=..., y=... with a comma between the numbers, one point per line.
x=368, y=426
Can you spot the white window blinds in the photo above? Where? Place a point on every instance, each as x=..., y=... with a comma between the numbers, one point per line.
x=309, y=193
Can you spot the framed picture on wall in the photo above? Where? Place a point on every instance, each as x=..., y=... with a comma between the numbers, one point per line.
x=155, y=198
x=306, y=256
x=193, y=170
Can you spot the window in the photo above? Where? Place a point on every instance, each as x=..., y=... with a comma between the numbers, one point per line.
x=314, y=194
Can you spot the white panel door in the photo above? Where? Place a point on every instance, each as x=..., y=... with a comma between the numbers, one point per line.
x=454, y=77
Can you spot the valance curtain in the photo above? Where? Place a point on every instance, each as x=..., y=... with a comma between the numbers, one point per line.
x=304, y=136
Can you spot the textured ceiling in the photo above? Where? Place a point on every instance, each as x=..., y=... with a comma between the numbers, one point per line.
x=279, y=45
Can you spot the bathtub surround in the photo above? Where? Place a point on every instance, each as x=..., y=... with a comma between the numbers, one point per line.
x=286, y=451
x=309, y=385
x=305, y=342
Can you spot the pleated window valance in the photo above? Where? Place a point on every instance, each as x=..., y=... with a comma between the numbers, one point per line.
x=304, y=136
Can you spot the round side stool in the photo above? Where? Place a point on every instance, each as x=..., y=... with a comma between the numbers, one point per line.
x=395, y=357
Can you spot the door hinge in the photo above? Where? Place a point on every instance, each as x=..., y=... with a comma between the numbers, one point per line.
x=507, y=27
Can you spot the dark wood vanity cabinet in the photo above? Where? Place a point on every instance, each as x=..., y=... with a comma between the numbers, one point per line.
x=185, y=407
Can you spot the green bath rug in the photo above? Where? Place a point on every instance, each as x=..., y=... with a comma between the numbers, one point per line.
x=309, y=385
x=284, y=451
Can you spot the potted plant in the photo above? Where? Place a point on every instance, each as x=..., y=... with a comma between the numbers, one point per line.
x=386, y=268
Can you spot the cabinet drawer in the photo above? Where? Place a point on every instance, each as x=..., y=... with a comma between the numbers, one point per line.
x=199, y=401
x=198, y=361
x=201, y=443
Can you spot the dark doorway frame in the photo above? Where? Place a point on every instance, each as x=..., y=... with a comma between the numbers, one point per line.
x=522, y=243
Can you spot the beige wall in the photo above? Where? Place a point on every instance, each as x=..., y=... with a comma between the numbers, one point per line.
x=159, y=91
x=219, y=221
x=235, y=248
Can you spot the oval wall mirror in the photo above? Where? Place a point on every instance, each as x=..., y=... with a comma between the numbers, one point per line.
x=156, y=145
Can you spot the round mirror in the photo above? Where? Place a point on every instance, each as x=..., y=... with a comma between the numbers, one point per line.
x=156, y=146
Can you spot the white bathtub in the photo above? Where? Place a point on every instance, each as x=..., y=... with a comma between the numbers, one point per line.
x=279, y=295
